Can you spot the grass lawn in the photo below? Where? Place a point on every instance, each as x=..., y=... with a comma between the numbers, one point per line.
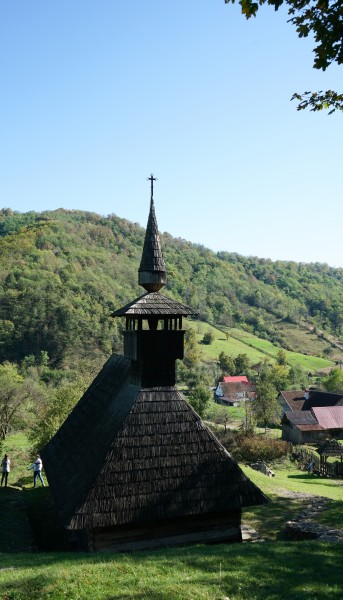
x=284, y=506
x=269, y=571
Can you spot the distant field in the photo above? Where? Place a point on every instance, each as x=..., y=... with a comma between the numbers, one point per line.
x=220, y=344
x=305, y=341
x=240, y=341
x=310, y=363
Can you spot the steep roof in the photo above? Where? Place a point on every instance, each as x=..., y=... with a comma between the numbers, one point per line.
x=146, y=455
x=154, y=303
x=152, y=270
x=295, y=399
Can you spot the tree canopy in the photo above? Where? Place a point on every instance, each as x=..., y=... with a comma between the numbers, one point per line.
x=324, y=20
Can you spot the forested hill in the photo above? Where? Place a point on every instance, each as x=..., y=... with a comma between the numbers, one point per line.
x=63, y=272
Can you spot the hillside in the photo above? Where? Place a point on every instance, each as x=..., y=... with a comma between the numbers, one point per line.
x=63, y=272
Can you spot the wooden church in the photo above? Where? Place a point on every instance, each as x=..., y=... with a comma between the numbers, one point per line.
x=133, y=466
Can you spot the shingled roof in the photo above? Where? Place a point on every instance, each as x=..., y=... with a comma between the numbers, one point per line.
x=146, y=455
x=303, y=420
x=154, y=303
x=152, y=270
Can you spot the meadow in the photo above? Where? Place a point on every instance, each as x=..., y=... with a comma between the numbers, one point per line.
x=237, y=341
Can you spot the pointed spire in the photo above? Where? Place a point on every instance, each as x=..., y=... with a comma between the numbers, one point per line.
x=152, y=271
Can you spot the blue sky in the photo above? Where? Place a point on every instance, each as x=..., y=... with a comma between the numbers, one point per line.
x=97, y=94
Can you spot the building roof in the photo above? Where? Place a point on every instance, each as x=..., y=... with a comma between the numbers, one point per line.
x=329, y=417
x=304, y=417
x=235, y=379
x=154, y=303
x=152, y=271
x=322, y=399
x=330, y=448
x=146, y=455
x=295, y=399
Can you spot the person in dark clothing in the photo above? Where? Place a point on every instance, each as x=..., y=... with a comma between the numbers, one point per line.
x=5, y=469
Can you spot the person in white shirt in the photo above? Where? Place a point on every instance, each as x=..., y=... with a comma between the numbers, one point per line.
x=37, y=467
x=5, y=469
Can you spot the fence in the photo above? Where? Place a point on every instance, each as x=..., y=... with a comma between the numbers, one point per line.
x=326, y=469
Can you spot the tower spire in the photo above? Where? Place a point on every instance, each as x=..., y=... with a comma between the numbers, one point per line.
x=152, y=271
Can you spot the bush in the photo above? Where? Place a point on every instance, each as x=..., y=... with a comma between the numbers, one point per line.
x=251, y=449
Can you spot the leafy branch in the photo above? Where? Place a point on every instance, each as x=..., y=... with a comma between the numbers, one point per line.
x=322, y=18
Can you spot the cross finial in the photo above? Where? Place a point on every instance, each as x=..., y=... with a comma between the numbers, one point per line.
x=152, y=179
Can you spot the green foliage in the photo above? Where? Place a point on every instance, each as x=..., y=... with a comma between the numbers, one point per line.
x=218, y=414
x=321, y=19
x=53, y=412
x=334, y=382
x=265, y=404
x=62, y=273
x=226, y=364
x=281, y=357
x=199, y=398
x=208, y=338
x=242, y=364
x=253, y=448
x=14, y=391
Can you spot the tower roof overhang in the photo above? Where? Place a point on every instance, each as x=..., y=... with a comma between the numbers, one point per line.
x=154, y=303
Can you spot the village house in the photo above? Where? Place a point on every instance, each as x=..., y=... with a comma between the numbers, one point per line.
x=311, y=416
x=134, y=466
x=233, y=390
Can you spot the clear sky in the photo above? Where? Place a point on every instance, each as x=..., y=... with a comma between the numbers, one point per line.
x=97, y=94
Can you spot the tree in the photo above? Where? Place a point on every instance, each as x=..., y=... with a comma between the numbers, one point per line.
x=266, y=406
x=208, y=337
x=226, y=364
x=54, y=411
x=323, y=20
x=13, y=393
x=242, y=363
x=281, y=357
x=334, y=382
x=199, y=398
x=192, y=352
x=218, y=414
x=298, y=377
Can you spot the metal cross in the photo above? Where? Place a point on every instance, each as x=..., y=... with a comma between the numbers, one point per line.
x=152, y=179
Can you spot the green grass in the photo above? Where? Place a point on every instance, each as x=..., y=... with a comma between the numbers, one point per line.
x=242, y=342
x=300, y=571
x=294, y=480
x=270, y=520
x=309, y=363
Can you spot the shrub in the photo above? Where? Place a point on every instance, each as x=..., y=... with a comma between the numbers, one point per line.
x=251, y=449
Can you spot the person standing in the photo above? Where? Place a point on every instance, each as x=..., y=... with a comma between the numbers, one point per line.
x=37, y=467
x=5, y=469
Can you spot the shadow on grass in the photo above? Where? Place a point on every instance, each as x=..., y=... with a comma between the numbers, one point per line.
x=48, y=534
x=15, y=532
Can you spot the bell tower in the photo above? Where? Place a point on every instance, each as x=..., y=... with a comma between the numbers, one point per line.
x=154, y=338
